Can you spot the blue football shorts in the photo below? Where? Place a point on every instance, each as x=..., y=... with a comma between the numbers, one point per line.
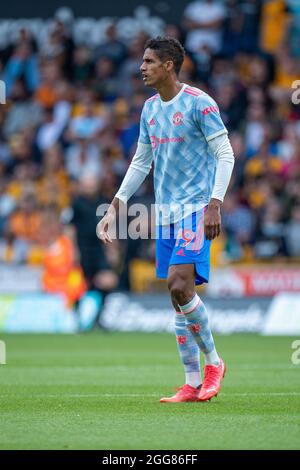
x=183, y=242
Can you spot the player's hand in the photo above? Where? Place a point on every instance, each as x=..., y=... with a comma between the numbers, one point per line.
x=212, y=219
x=104, y=226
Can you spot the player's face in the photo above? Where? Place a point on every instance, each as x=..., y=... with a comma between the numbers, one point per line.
x=154, y=71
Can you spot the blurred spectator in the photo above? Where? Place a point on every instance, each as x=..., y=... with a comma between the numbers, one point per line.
x=256, y=127
x=251, y=13
x=60, y=46
x=239, y=225
x=96, y=267
x=288, y=146
x=22, y=63
x=129, y=72
x=263, y=163
x=112, y=48
x=270, y=235
x=5, y=155
x=82, y=64
x=21, y=182
x=49, y=131
x=106, y=84
x=50, y=76
x=62, y=274
x=7, y=205
x=232, y=31
x=127, y=122
x=293, y=233
x=83, y=158
x=257, y=192
x=71, y=123
x=203, y=21
x=286, y=72
x=241, y=27
x=273, y=24
x=231, y=109
x=54, y=186
x=238, y=147
x=23, y=111
x=13, y=249
x=88, y=124
x=293, y=36
x=24, y=223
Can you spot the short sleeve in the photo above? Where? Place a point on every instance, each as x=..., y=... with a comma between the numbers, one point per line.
x=144, y=135
x=207, y=116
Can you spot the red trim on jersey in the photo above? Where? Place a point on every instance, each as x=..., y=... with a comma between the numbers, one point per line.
x=195, y=90
x=191, y=91
x=152, y=98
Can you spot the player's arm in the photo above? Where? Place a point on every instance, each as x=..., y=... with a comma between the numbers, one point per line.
x=138, y=169
x=213, y=129
x=221, y=148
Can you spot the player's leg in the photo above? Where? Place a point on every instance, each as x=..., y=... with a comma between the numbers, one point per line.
x=181, y=282
x=190, y=264
x=187, y=347
x=181, y=285
x=189, y=355
x=188, y=350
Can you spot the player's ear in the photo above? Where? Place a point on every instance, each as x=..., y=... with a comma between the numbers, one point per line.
x=169, y=65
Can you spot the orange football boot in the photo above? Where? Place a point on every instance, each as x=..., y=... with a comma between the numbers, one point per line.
x=184, y=394
x=213, y=376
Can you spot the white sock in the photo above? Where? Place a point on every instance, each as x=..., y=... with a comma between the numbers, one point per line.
x=193, y=379
x=211, y=358
x=197, y=322
x=188, y=351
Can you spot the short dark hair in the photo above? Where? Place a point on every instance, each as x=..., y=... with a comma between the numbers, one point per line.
x=167, y=48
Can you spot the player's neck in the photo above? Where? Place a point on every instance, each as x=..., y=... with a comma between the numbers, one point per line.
x=168, y=90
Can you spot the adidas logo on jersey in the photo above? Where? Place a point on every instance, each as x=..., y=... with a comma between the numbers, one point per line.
x=210, y=109
x=152, y=122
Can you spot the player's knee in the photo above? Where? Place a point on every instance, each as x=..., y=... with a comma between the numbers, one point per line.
x=178, y=289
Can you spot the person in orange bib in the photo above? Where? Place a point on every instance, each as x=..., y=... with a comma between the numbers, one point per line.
x=62, y=274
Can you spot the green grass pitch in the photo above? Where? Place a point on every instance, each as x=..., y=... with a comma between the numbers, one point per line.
x=102, y=390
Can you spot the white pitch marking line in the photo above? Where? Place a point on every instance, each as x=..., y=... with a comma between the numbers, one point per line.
x=136, y=395
x=228, y=394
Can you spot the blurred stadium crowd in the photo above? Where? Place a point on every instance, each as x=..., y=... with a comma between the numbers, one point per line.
x=69, y=129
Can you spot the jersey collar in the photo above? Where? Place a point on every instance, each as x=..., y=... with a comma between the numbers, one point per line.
x=176, y=97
